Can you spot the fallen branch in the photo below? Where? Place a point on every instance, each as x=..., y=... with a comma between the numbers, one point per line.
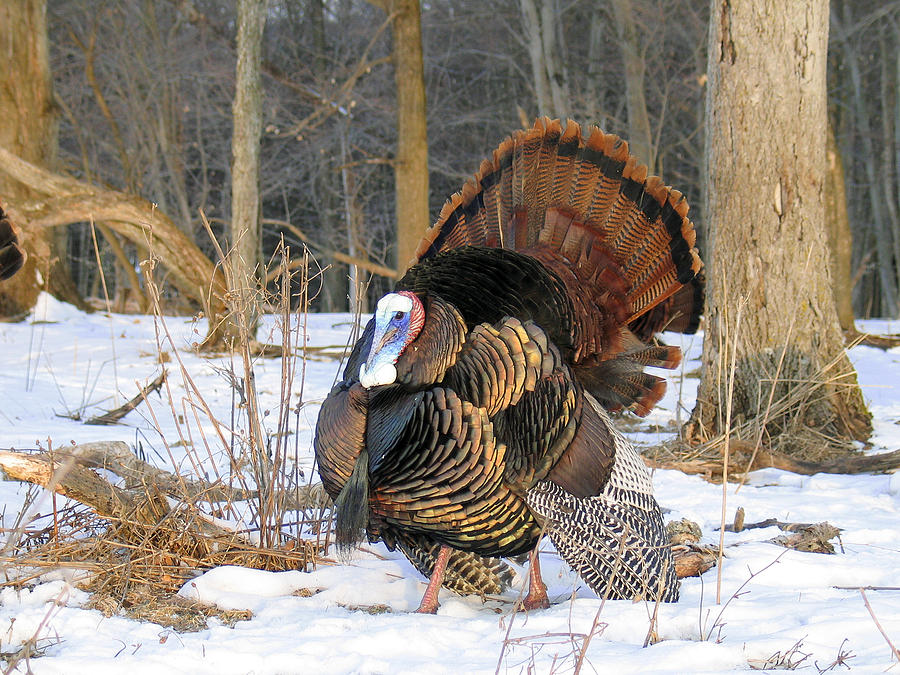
x=117, y=457
x=70, y=480
x=113, y=416
x=742, y=451
x=885, y=342
x=809, y=537
x=770, y=522
x=144, y=518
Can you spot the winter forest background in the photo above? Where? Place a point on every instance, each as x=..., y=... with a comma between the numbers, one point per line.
x=129, y=135
x=143, y=94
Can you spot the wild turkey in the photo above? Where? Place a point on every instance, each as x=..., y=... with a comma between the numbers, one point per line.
x=12, y=257
x=471, y=411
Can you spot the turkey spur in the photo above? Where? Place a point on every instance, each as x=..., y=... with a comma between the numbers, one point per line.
x=472, y=414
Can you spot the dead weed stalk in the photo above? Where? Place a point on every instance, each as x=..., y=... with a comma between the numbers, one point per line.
x=161, y=529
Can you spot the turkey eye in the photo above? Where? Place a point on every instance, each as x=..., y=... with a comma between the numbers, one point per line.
x=399, y=315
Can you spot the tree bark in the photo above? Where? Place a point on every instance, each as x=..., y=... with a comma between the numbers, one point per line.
x=28, y=128
x=840, y=240
x=768, y=255
x=244, y=255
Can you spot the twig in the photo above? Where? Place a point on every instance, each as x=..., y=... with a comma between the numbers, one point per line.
x=738, y=593
x=372, y=267
x=773, y=522
x=29, y=646
x=114, y=416
x=587, y=640
x=728, y=409
x=894, y=650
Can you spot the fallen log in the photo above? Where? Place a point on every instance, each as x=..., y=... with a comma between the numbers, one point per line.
x=854, y=337
x=69, y=479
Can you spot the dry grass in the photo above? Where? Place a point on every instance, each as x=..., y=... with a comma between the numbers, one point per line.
x=782, y=428
x=135, y=564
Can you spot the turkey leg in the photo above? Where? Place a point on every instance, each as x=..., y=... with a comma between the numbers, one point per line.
x=537, y=589
x=430, y=602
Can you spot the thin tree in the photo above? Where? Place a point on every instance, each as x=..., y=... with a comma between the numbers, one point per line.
x=840, y=239
x=640, y=137
x=542, y=24
x=411, y=161
x=768, y=254
x=247, y=129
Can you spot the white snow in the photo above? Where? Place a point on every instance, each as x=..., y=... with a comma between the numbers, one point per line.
x=63, y=366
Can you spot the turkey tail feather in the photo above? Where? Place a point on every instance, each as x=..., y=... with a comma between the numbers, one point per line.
x=635, y=216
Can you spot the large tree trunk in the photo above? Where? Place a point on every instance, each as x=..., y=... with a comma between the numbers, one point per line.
x=28, y=128
x=769, y=257
x=247, y=117
x=411, y=162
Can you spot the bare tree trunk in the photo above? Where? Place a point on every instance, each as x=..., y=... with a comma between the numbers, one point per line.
x=885, y=244
x=840, y=241
x=411, y=168
x=541, y=21
x=640, y=136
x=247, y=116
x=594, y=108
x=769, y=256
x=354, y=221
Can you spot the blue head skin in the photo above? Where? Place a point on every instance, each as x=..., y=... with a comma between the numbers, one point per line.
x=398, y=320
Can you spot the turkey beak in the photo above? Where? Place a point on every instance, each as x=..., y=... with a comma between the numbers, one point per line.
x=376, y=371
x=384, y=339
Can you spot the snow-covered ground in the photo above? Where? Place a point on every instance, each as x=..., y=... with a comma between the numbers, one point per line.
x=64, y=363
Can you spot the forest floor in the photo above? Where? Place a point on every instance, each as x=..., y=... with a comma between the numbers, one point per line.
x=779, y=608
